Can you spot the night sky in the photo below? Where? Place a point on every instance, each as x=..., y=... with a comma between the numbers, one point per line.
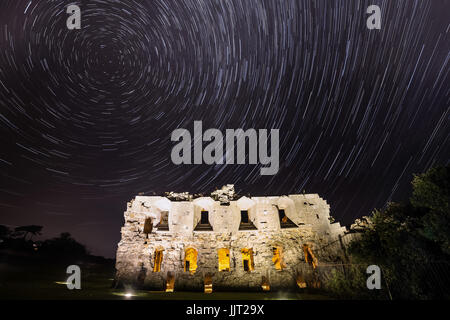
x=86, y=115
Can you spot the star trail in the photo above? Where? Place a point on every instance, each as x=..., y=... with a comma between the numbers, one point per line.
x=86, y=115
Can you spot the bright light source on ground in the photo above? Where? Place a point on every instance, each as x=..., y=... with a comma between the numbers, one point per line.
x=129, y=294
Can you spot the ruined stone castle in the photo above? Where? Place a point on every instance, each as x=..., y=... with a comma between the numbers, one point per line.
x=225, y=242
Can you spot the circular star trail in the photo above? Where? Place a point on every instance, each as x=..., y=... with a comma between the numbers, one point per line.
x=86, y=115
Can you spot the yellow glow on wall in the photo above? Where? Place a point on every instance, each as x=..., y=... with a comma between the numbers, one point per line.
x=247, y=259
x=170, y=284
x=309, y=256
x=265, y=284
x=158, y=260
x=208, y=284
x=301, y=281
x=190, y=260
x=278, y=258
x=224, y=259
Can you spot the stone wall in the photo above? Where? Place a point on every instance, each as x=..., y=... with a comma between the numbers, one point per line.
x=136, y=250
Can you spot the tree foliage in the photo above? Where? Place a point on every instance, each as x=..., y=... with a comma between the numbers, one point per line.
x=410, y=241
x=63, y=246
x=431, y=197
x=4, y=232
x=31, y=229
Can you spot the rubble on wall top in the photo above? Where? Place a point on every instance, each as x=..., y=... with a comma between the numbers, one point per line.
x=179, y=196
x=224, y=195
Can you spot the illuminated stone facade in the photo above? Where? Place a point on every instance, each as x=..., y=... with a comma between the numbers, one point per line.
x=224, y=242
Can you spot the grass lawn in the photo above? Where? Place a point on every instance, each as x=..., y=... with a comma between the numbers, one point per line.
x=33, y=282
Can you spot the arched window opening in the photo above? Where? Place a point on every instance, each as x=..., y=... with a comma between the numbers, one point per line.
x=247, y=259
x=309, y=256
x=246, y=223
x=204, y=217
x=163, y=224
x=158, y=260
x=282, y=216
x=224, y=259
x=244, y=216
x=278, y=258
x=285, y=222
x=204, y=224
x=190, y=260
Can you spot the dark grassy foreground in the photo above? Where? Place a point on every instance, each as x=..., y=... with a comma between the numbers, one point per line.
x=33, y=279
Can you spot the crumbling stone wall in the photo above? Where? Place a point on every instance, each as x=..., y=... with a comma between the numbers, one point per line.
x=136, y=250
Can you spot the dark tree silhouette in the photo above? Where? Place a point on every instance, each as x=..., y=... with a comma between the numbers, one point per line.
x=410, y=241
x=63, y=246
x=4, y=232
x=431, y=196
x=31, y=229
